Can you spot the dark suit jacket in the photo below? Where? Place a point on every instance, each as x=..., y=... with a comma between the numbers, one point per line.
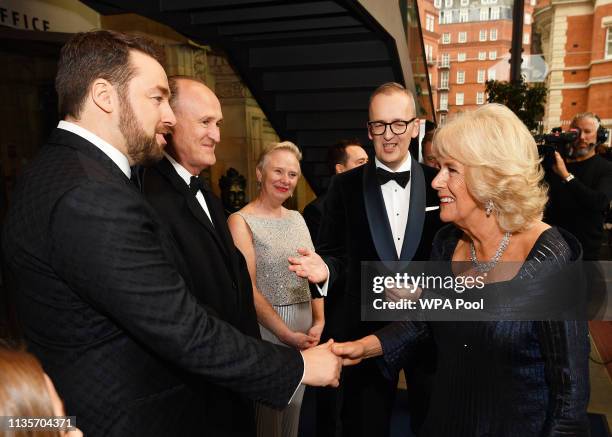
x=355, y=228
x=105, y=309
x=313, y=213
x=220, y=278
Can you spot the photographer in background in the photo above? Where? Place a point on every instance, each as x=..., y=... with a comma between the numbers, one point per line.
x=581, y=188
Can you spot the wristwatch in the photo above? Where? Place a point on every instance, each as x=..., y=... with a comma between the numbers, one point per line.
x=569, y=178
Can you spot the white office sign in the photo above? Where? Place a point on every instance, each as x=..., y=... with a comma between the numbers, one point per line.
x=69, y=16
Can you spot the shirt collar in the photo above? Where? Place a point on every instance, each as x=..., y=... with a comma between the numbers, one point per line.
x=115, y=155
x=406, y=165
x=182, y=171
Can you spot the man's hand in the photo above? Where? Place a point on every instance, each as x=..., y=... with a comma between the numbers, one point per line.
x=351, y=352
x=309, y=265
x=559, y=166
x=321, y=366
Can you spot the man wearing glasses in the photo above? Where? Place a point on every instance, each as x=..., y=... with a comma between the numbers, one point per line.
x=373, y=213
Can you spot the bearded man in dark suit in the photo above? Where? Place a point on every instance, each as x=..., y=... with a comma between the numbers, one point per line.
x=196, y=218
x=376, y=212
x=103, y=293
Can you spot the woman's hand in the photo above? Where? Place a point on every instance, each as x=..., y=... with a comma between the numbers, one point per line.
x=299, y=340
x=316, y=330
x=352, y=352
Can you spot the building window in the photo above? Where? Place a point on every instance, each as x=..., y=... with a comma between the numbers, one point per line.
x=463, y=15
x=493, y=55
x=526, y=38
x=445, y=59
x=459, y=99
x=495, y=13
x=465, y=2
x=460, y=76
x=484, y=14
x=609, y=43
x=444, y=101
x=462, y=36
x=481, y=76
x=527, y=18
x=482, y=56
x=461, y=57
x=429, y=22
x=448, y=3
x=444, y=80
x=438, y=3
x=493, y=34
x=492, y=74
x=446, y=39
x=428, y=52
x=479, y=97
x=482, y=36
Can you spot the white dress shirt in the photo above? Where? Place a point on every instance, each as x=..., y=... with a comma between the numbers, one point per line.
x=186, y=176
x=114, y=154
x=397, y=202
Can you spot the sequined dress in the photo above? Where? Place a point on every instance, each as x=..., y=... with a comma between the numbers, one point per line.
x=275, y=240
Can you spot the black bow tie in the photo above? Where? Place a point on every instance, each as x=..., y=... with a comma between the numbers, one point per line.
x=196, y=184
x=384, y=176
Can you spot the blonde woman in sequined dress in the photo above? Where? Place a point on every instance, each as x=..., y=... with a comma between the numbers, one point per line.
x=268, y=234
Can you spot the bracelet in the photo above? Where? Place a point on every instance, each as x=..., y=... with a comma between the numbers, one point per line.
x=569, y=178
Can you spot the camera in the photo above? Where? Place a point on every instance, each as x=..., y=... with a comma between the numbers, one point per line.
x=556, y=141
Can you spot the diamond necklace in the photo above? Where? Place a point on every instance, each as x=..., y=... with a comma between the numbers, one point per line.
x=484, y=267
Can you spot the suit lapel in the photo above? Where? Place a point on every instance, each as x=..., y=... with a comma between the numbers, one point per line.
x=62, y=137
x=217, y=213
x=166, y=168
x=380, y=229
x=416, y=213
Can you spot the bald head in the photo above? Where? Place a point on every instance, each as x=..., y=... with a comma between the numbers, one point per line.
x=198, y=121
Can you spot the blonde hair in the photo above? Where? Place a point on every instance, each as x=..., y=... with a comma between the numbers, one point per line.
x=23, y=390
x=502, y=163
x=285, y=145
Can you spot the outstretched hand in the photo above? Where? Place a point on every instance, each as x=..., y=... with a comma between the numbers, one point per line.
x=321, y=366
x=309, y=265
x=351, y=352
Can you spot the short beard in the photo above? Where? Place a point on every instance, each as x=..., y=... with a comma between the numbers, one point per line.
x=579, y=153
x=142, y=148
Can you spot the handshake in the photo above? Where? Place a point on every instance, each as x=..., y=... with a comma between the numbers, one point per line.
x=323, y=363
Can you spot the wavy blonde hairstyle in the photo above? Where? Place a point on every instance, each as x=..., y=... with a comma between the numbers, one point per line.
x=285, y=145
x=502, y=163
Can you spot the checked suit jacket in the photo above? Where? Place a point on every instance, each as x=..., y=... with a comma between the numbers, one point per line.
x=220, y=279
x=104, y=306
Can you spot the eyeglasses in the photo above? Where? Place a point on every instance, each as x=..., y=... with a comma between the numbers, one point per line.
x=398, y=127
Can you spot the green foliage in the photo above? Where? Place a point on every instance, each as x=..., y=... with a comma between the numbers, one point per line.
x=526, y=101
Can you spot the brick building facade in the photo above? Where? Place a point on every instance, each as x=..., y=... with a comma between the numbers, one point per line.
x=576, y=40
x=473, y=46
